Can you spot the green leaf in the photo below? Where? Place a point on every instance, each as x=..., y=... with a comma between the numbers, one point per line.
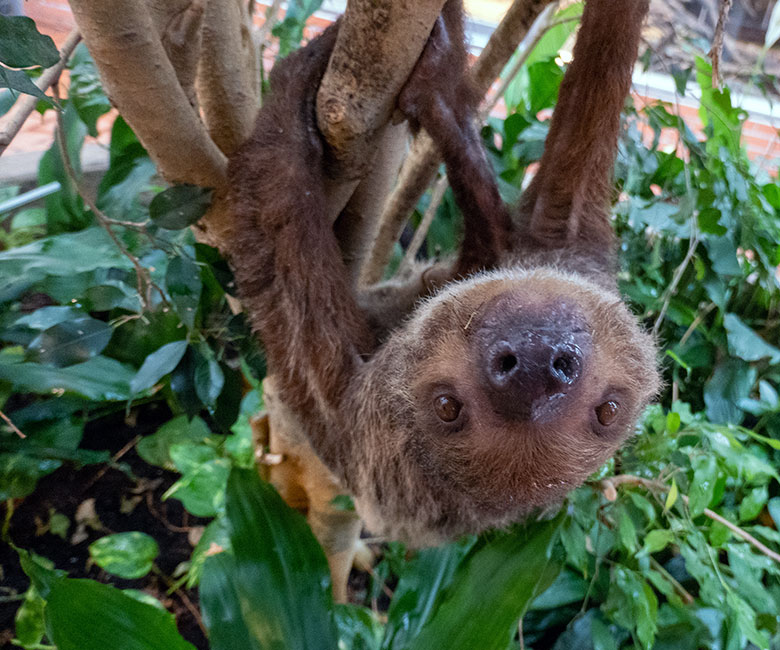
x=209, y=379
x=419, y=590
x=156, y=449
x=732, y=380
x=753, y=503
x=46, y=317
x=358, y=628
x=290, y=30
x=23, y=46
x=702, y=490
x=158, y=364
x=507, y=573
x=87, y=615
x=182, y=280
x=774, y=510
x=19, y=81
x=275, y=591
x=29, y=621
x=67, y=254
x=127, y=555
x=671, y=498
x=201, y=489
x=100, y=378
x=657, y=540
x=179, y=206
x=71, y=342
x=746, y=344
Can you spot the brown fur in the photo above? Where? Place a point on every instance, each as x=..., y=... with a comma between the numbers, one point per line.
x=368, y=406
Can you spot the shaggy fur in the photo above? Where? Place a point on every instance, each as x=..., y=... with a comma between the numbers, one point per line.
x=368, y=393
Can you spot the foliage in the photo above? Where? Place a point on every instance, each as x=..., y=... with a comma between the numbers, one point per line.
x=637, y=562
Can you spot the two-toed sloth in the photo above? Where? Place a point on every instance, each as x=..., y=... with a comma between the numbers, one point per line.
x=507, y=385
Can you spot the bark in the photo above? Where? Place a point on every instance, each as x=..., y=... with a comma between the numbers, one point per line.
x=142, y=83
x=228, y=75
x=379, y=42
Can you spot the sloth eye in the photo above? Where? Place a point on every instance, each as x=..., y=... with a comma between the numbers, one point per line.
x=607, y=412
x=447, y=408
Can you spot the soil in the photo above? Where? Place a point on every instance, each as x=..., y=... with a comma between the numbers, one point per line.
x=125, y=499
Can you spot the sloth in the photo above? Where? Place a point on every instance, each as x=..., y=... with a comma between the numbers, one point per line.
x=518, y=371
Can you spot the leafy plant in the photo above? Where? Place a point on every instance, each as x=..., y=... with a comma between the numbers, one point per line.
x=114, y=306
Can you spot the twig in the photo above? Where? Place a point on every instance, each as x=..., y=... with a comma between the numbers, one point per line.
x=144, y=279
x=658, y=486
x=717, y=40
x=25, y=105
x=425, y=223
x=271, y=18
x=14, y=428
x=185, y=599
x=696, y=322
x=678, y=273
x=541, y=26
x=681, y=591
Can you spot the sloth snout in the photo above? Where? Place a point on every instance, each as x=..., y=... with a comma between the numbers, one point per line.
x=527, y=367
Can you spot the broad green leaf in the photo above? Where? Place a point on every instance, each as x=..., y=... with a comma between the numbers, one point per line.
x=29, y=621
x=569, y=587
x=182, y=280
x=746, y=344
x=23, y=46
x=702, y=490
x=46, y=317
x=66, y=254
x=24, y=461
x=71, y=342
x=88, y=615
x=158, y=364
x=275, y=591
x=358, y=628
x=127, y=555
x=634, y=604
x=221, y=604
x=100, y=378
x=753, y=503
x=201, y=489
x=657, y=540
x=179, y=206
x=419, y=590
x=507, y=573
x=209, y=379
x=731, y=381
x=774, y=510
x=17, y=80
x=156, y=448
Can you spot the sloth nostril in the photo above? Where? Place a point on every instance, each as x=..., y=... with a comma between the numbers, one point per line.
x=507, y=362
x=565, y=366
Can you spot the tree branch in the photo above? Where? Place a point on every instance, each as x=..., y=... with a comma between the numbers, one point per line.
x=26, y=104
x=421, y=165
x=142, y=83
x=228, y=80
x=378, y=45
x=658, y=486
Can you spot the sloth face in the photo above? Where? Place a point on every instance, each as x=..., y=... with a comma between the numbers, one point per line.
x=522, y=384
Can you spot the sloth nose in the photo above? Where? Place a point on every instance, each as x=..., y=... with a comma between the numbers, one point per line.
x=530, y=371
